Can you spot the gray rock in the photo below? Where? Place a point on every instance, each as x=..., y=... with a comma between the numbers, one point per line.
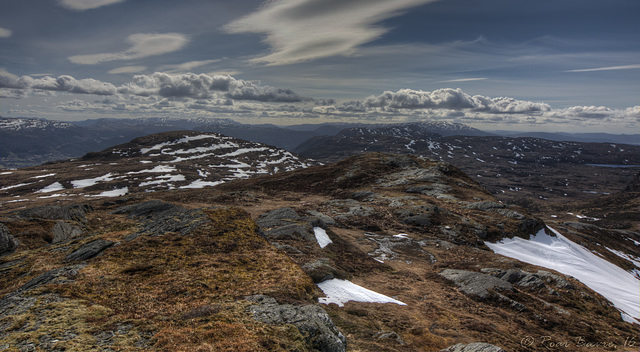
x=8, y=243
x=312, y=321
x=278, y=217
x=474, y=283
x=89, y=250
x=365, y=195
x=389, y=335
x=474, y=347
x=321, y=270
x=485, y=205
x=75, y=212
x=324, y=218
x=421, y=220
x=67, y=272
x=63, y=231
x=160, y=218
x=146, y=209
x=302, y=231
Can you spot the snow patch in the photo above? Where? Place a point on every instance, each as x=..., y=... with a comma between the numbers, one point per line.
x=91, y=181
x=559, y=253
x=118, y=192
x=342, y=291
x=202, y=184
x=322, y=237
x=54, y=187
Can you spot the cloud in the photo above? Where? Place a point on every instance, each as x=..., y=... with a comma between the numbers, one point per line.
x=142, y=45
x=609, y=68
x=61, y=84
x=463, y=80
x=302, y=30
x=82, y=5
x=186, y=66
x=127, y=69
x=5, y=33
x=203, y=86
x=446, y=98
x=185, y=85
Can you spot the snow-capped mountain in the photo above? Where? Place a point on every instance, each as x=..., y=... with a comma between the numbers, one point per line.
x=171, y=160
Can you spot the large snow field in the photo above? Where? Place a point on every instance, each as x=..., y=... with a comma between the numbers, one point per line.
x=561, y=254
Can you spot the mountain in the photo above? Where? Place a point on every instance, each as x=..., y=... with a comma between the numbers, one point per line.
x=524, y=170
x=377, y=252
x=179, y=159
x=576, y=137
x=28, y=142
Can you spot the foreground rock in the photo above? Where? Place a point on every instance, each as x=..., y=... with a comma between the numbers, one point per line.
x=312, y=321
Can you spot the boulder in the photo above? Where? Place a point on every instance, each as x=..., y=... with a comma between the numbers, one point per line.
x=312, y=321
x=8, y=243
x=76, y=212
x=160, y=217
x=63, y=231
x=89, y=250
x=477, y=284
x=301, y=231
x=278, y=217
x=474, y=347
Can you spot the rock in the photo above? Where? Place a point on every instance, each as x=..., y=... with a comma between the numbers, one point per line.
x=474, y=283
x=89, y=250
x=365, y=195
x=389, y=335
x=324, y=218
x=321, y=270
x=422, y=220
x=160, y=218
x=278, y=217
x=8, y=243
x=291, y=232
x=485, y=205
x=312, y=321
x=67, y=272
x=146, y=209
x=75, y=212
x=474, y=347
x=63, y=231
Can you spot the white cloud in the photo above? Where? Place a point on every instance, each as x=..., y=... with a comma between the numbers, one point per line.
x=5, y=33
x=142, y=45
x=301, y=30
x=446, y=98
x=82, y=5
x=186, y=66
x=608, y=68
x=61, y=84
x=463, y=80
x=127, y=69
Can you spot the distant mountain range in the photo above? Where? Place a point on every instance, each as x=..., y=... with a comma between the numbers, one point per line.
x=27, y=141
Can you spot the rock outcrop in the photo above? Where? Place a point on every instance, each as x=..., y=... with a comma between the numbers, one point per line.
x=311, y=320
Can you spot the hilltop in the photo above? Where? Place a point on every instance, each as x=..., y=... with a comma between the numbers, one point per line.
x=377, y=252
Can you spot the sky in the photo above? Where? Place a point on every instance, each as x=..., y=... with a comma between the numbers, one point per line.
x=545, y=65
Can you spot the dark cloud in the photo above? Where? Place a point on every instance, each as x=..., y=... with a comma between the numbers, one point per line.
x=203, y=86
x=61, y=84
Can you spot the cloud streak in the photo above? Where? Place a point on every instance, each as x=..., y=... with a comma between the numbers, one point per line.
x=142, y=45
x=83, y=5
x=302, y=30
x=608, y=68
